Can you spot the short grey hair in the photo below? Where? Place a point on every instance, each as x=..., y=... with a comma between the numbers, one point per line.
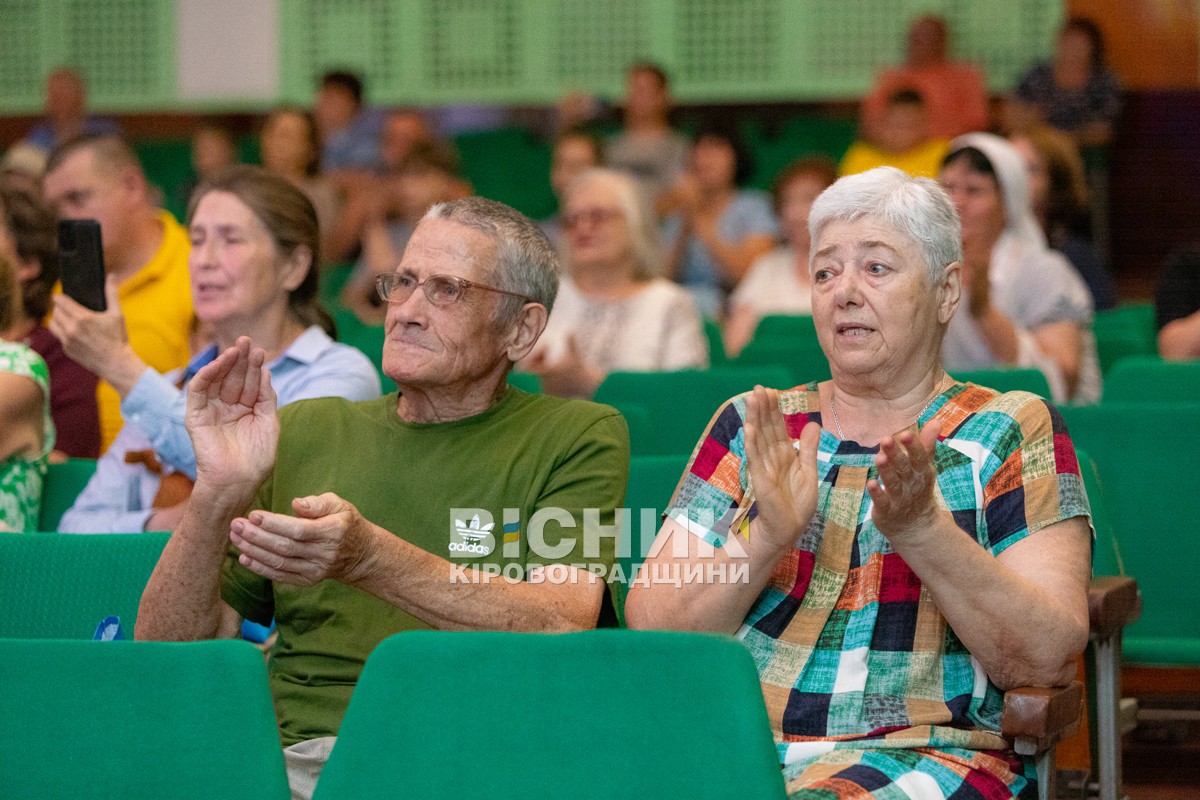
x=525, y=261
x=633, y=205
x=914, y=207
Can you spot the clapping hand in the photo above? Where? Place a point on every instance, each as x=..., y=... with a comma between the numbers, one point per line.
x=903, y=495
x=783, y=477
x=231, y=417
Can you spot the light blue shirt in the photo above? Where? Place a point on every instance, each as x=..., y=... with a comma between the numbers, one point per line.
x=118, y=497
x=748, y=214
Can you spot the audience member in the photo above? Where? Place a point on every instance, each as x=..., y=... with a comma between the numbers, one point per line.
x=1059, y=197
x=902, y=140
x=427, y=176
x=778, y=282
x=613, y=312
x=289, y=147
x=402, y=130
x=377, y=517
x=26, y=431
x=1177, y=306
x=575, y=152
x=214, y=150
x=253, y=273
x=912, y=547
x=145, y=258
x=647, y=147
x=349, y=132
x=954, y=92
x=1076, y=92
x=1025, y=304
x=29, y=245
x=66, y=114
x=719, y=229
x=23, y=166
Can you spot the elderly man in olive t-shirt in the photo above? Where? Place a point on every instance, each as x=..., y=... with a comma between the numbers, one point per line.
x=458, y=503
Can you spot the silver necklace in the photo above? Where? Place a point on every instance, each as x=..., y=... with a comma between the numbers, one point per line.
x=837, y=423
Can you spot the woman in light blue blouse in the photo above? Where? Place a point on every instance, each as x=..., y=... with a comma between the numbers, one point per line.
x=718, y=229
x=254, y=242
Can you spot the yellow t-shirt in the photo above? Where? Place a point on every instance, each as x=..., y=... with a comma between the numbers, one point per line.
x=157, y=304
x=923, y=161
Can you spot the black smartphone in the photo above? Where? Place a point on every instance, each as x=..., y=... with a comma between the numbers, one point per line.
x=81, y=262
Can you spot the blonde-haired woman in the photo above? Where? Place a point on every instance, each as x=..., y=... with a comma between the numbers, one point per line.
x=613, y=312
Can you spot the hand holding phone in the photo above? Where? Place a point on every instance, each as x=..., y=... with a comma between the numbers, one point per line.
x=81, y=262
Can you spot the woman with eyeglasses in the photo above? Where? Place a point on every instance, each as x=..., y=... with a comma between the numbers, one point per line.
x=613, y=313
x=253, y=268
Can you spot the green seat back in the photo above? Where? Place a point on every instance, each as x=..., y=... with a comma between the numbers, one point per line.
x=1106, y=554
x=332, y=279
x=590, y=716
x=510, y=165
x=803, y=357
x=716, y=343
x=1122, y=332
x=652, y=482
x=1023, y=379
x=526, y=382
x=64, y=481
x=786, y=326
x=1151, y=379
x=680, y=405
x=137, y=720
x=366, y=338
x=1146, y=455
x=60, y=585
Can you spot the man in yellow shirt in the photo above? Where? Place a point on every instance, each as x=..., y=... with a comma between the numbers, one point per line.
x=145, y=259
x=902, y=140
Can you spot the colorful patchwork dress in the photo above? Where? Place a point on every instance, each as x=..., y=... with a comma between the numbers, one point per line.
x=21, y=476
x=869, y=691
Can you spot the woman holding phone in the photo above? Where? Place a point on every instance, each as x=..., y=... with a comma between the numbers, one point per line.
x=254, y=243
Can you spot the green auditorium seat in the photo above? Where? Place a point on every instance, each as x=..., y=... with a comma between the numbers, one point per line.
x=510, y=165
x=1146, y=455
x=681, y=404
x=62, y=585
x=366, y=338
x=716, y=343
x=589, y=716
x=802, y=357
x=333, y=278
x=1151, y=379
x=786, y=326
x=137, y=720
x=652, y=482
x=526, y=382
x=1021, y=379
x=1122, y=332
x=64, y=481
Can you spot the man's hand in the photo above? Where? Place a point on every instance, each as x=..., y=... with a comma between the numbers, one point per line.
x=98, y=339
x=784, y=479
x=327, y=539
x=231, y=417
x=903, y=497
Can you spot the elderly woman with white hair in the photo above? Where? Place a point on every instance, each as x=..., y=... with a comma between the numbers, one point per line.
x=1025, y=305
x=613, y=312
x=898, y=548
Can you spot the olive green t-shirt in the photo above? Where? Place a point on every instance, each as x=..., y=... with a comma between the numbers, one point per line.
x=465, y=490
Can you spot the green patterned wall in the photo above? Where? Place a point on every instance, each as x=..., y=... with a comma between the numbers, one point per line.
x=126, y=48
x=521, y=51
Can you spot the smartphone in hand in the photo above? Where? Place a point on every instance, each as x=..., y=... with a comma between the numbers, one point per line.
x=81, y=262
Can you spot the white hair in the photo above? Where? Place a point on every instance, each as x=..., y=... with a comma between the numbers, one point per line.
x=914, y=207
x=631, y=200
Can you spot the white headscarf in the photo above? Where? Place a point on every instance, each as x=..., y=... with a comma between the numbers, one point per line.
x=1022, y=235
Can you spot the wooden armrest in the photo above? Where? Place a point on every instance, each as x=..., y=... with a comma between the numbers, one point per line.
x=1035, y=719
x=1113, y=603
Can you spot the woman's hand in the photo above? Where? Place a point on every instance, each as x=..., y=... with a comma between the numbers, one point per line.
x=232, y=420
x=976, y=282
x=784, y=479
x=903, y=496
x=98, y=340
x=570, y=376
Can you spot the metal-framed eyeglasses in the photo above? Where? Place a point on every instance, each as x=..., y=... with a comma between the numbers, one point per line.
x=442, y=290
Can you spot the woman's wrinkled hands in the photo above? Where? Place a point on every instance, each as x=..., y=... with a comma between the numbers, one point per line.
x=782, y=473
x=231, y=417
x=904, y=495
x=327, y=539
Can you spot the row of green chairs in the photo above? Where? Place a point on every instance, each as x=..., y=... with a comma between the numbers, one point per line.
x=587, y=715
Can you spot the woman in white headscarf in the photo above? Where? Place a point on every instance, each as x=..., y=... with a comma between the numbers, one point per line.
x=1026, y=305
